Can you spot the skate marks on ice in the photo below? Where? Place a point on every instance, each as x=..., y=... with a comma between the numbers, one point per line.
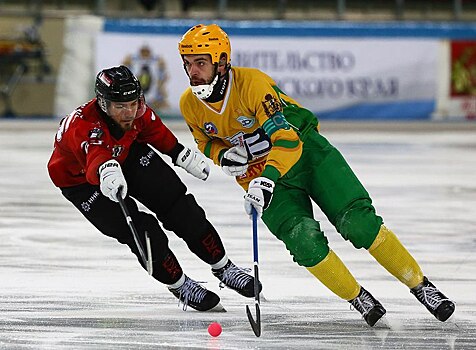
x=152, y=321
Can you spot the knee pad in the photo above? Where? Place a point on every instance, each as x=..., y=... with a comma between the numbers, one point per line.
x=305, y=241
x=359, y=224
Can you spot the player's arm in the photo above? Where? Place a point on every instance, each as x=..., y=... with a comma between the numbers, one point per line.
x=88, y=143
x=158, y=135
x=286, y=147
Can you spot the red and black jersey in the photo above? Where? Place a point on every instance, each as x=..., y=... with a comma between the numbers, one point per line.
x=84, y=141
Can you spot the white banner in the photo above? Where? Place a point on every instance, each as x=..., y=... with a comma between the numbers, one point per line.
x=154, y=59
x=322, y=74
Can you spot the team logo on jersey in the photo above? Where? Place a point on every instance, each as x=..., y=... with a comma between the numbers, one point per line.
x=210, y=128
x=271, y=105
x=86, y=206
x=145, y=160
x=246, y=122
x=117, y=150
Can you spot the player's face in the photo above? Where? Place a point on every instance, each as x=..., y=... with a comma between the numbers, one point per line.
x=200, y=69
x=123, y=113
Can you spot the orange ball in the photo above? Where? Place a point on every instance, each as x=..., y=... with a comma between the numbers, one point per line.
x=214, y=329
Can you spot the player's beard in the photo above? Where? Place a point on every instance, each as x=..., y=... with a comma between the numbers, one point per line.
x=194, y=81
x=126, y=126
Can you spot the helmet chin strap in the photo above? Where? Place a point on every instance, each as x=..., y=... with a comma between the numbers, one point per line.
x=205, y=90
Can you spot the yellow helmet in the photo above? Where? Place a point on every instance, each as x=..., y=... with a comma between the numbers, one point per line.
x=206, y=39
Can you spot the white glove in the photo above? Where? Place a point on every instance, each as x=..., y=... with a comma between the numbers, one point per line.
x=194, y=163
x=260, y=192
x=235, y=161
x=111, y=178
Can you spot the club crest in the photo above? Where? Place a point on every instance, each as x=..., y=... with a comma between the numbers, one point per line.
x=117, y=150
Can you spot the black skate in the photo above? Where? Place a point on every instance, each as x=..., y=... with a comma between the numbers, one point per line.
x=435, y=301
x=236, y=278
x=192, y=294
x=368, y=306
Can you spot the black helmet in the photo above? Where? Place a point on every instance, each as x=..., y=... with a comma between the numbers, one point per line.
x=117, y=84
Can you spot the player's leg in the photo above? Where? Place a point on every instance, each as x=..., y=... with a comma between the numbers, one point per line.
x=391, y=254
x=346, y=203
x=108, y=218
x=158, y=187
x=290, y=218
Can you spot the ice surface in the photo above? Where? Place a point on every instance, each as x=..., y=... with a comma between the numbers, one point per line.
x=66, y=286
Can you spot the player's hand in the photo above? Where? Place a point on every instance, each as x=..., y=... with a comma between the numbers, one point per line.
x=111, y=178
x=194, y=163
x=235, y=161
x=259, y=195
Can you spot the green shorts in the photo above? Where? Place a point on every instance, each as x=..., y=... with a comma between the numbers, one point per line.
x=323, y=176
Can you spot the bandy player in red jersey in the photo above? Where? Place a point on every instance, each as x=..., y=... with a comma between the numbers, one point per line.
x=103, y=146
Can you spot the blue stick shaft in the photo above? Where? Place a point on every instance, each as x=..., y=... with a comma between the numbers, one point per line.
x=255, y=235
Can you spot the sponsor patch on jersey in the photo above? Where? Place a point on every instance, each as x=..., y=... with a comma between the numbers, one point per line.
x=246, y=122
x=271, y=105
x=210, y=128
x=95, y=133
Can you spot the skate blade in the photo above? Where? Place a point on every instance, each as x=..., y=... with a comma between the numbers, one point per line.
x=217, y=308
x=382, y=323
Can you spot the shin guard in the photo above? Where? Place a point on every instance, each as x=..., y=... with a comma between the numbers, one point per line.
x=395, y=258
x=334, y=275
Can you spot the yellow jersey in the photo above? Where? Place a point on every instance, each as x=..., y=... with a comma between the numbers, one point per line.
x=251, y=116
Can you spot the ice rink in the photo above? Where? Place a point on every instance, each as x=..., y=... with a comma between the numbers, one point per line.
x=66, y=286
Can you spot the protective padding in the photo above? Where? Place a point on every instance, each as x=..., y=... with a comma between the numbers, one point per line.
x=334, y=275
x=185, y=217
x=304, y=240
x=395, y=258
x=359, y=224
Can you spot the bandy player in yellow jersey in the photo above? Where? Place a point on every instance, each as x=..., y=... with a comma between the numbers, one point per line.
x=243, y=122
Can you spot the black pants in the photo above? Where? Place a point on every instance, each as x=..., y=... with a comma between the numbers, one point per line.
x=155, y=184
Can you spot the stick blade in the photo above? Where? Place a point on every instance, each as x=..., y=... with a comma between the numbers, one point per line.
x=255, y=325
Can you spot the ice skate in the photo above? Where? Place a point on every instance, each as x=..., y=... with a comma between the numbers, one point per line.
x=368, y=306
x=236, y=278
x=192, y=294
x=435, y=301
